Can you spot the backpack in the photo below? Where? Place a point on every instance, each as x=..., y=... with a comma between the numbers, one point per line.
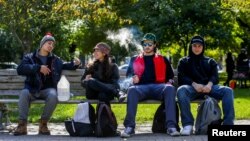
x=209, y=113
x=232, y=84
x=106, y=124
x=160, y=119
x=83, y=122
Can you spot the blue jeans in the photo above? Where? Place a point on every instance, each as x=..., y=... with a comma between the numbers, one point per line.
x=187, y=93
x=163, y=92
x=25, y=99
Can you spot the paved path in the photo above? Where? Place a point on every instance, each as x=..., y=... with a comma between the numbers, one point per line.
x=143, y=133
x=138, y=137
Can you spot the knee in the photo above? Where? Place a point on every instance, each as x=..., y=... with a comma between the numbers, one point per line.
x=24, y=94
x=52, y=96
x=87, y=83
x=132, y=91
x=228, y=92
x=91, y=82
x=170, y=88
x=169, y=91
x=182, y=92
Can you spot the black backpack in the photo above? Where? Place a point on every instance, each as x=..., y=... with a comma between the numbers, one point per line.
x=106, y=124
x=160, y=119
x=83, y=122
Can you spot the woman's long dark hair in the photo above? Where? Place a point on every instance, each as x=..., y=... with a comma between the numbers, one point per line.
x=106, y=67
x=106, y=70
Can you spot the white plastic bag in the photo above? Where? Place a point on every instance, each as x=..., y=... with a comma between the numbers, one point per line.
x=63, y=89
x=82, y=113
x=125, y=84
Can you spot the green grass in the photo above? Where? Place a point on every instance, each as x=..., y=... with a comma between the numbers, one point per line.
x=145, y=112
x=242, y=103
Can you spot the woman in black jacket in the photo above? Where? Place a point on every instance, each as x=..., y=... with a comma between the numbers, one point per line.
x=101, y=77
x=230, y=66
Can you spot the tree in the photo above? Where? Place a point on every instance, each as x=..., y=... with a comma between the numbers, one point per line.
x=175, y=22
x=85, y=23
x=28, y=21
x=8, y=47
x=94, y=20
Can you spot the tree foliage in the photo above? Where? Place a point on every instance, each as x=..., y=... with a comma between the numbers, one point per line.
x=8, y=47
x=225, y=24
x=94, y=19
x=177, y=21
x=28, y=22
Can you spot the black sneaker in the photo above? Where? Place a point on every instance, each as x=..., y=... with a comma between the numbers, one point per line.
x=121, y=96
x=128, y=131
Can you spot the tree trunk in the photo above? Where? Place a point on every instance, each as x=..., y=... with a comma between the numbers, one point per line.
x=186, y=46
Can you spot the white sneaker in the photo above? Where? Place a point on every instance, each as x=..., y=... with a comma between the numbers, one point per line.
x=173, y=132
x=187, y=130
x=128, y=132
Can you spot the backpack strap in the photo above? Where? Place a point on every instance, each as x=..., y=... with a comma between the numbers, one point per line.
x=73, y=126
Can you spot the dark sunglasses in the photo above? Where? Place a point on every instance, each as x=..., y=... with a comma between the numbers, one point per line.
x=147, y=44
x=96, y=49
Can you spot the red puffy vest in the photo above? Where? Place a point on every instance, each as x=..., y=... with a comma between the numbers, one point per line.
x=159, y=66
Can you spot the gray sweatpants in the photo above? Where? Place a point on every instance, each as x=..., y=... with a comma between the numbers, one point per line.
x=25, y=99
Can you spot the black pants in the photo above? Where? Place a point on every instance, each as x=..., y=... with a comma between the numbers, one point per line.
x=99, y=90
x=229, y=77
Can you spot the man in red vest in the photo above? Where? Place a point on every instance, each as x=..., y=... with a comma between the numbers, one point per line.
x=152, y=77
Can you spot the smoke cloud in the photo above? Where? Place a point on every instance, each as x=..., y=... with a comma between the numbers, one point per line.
x=126, y=37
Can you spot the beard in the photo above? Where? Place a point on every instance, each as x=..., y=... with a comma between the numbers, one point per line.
x=148, y=50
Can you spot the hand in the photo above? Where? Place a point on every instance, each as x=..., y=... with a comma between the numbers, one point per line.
x=198, y=87
x=207, y=88
x=77, y=61
x=45, y=70
x=88, y=77
x=135, y=79
x=170, y=81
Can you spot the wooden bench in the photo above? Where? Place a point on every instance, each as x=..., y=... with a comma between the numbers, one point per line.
x=11, y=85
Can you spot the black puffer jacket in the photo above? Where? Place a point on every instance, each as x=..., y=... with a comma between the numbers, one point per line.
x=197, y=68
x=30, y=67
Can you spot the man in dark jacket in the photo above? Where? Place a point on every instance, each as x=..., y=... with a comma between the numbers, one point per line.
x=152, y=77
x=43, y=71
x=197, y=77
